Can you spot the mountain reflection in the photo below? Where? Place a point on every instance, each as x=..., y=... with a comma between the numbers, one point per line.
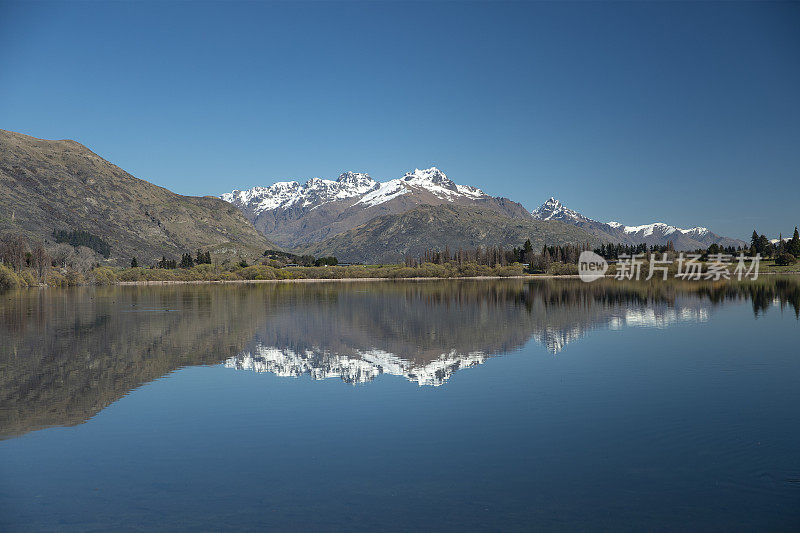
x=67, y=354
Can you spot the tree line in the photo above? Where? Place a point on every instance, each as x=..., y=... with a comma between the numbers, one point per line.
x=281, y=258
x=494, y=256
x=83, y=238
x=785, y=252
x=202, y=258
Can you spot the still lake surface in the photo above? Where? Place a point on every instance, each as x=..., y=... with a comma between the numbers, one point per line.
x=487, y=405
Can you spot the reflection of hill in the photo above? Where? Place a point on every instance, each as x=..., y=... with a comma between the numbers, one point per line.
x=67, y=354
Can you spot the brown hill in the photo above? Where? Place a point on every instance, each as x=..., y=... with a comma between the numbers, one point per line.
x=62, y=185
x=389, y=238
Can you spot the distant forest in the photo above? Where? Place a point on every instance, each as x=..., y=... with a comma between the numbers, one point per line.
x=83, y=238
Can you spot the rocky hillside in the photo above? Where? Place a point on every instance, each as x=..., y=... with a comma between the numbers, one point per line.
x=62, y=185
x=389, y=238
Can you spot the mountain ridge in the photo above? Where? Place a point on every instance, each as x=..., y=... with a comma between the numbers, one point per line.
x=656, y=233
x=62, y=185
x=305, y=215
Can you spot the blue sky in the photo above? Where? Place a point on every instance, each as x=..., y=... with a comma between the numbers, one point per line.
x=686, y=113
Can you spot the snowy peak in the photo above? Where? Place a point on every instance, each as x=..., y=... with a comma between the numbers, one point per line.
x=553, y=209
x=437, y=183
x=655, y=233
x=430, y=176
x=660, y=228
x=313, y=192
x=356, y=179
x=316, y=191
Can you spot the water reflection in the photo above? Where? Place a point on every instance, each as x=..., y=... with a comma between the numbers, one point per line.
x=67, y=354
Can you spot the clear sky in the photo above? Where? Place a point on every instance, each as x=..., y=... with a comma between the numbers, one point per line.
x=687, y=113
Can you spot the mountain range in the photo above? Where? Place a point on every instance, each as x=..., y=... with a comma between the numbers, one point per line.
x=54, y=185
x=358, y=218
x=294, y=215
x=655, y=233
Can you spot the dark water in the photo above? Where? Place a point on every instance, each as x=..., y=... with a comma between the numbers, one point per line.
x=432, y=405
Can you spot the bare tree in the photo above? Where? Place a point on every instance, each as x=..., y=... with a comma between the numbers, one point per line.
x=40, y=261
x=62, y=253
x=84, y=259
x=13, y=251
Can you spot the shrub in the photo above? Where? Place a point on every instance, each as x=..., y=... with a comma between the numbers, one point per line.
x=104, y=276
x=8, y=280
x=258, y=272
x=56, y=279
x=514, y=269
x=131, y=274
x=73, y=278
x=27, y=278
x=206, y=271
x=785, y=259
x=562, y=269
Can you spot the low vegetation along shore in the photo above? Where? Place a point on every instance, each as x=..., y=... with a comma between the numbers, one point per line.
x=215, y=273
x=105, y=275
x=23, y=265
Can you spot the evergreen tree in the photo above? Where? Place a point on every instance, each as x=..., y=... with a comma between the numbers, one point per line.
x=793, y=246
x=134, y=263
x=754, y=243
x=764, y=247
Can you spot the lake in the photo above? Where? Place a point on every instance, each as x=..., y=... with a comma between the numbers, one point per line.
x=445, y=405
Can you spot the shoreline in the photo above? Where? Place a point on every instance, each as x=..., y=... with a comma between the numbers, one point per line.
x=145, y=283
x=323, y=280
x=352, y=280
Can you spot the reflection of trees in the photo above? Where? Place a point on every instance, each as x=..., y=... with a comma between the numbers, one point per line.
x=66, y=354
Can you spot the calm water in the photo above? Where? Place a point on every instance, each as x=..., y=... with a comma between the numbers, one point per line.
x=393, y=405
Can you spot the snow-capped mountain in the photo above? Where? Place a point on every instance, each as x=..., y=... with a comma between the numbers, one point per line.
x=293, y=214
x=660, y=229
x=313, y=192
x=431, y=180
x=552, y=209
x=655, y=233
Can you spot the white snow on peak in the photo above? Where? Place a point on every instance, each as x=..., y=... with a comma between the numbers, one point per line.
x=435, y=181
x=386, y=191
x=660, y=228
x=316, y=191
x=553, y=209
x=431, y=180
